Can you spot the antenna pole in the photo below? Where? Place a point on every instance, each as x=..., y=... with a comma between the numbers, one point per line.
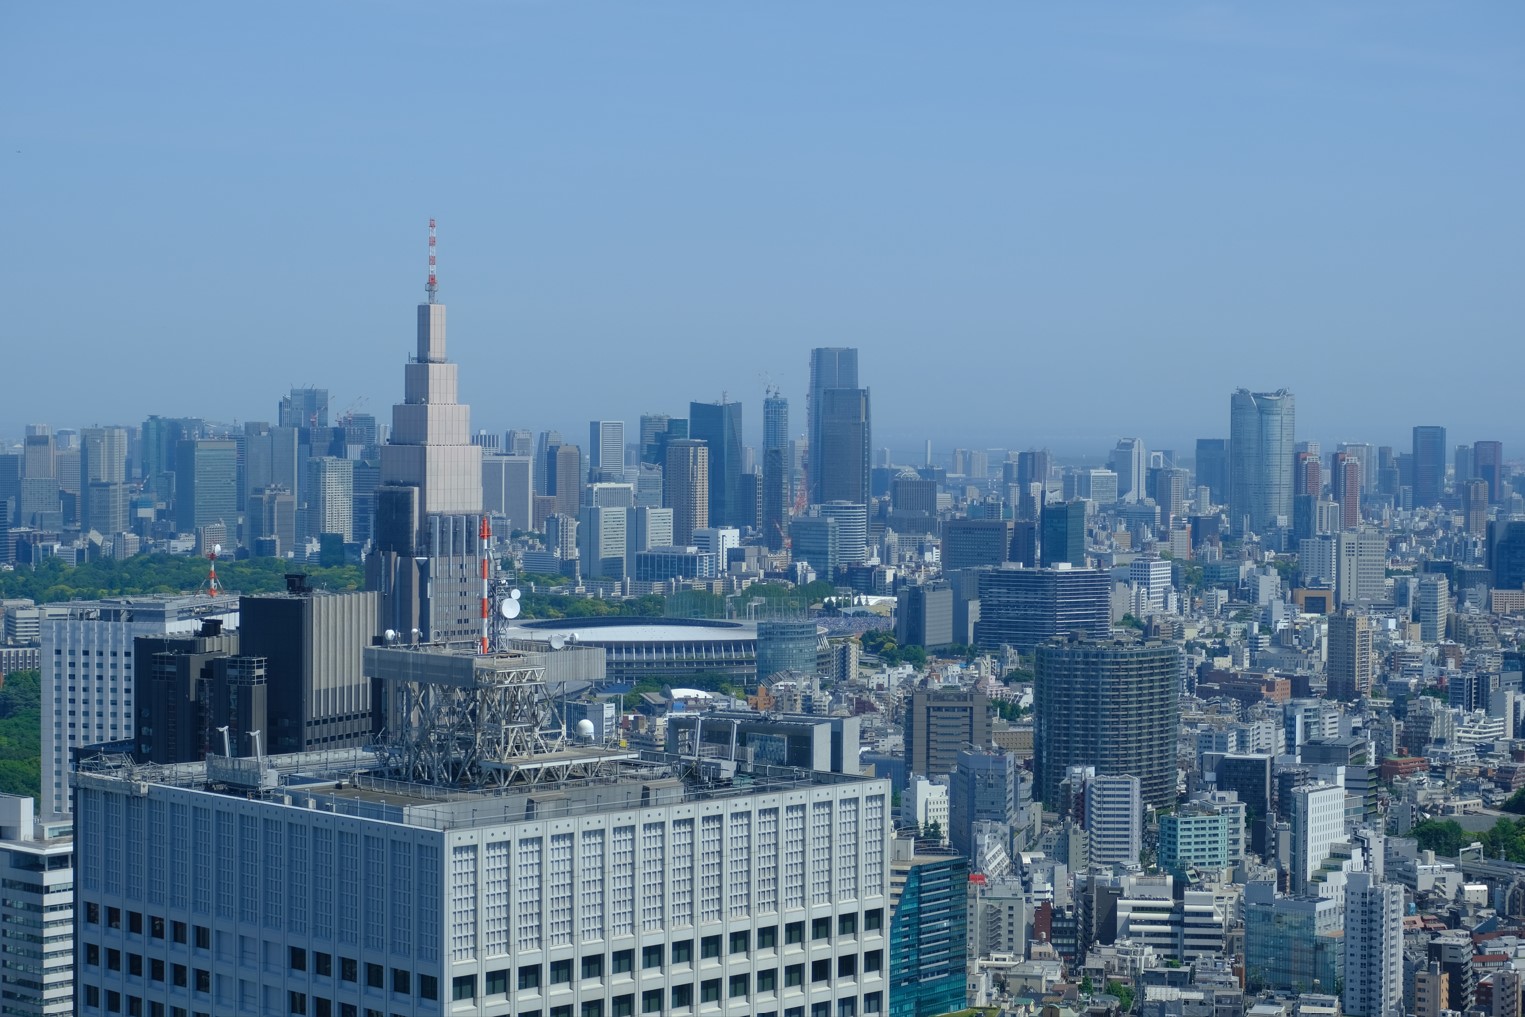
x=432, y=287
x=486, y=536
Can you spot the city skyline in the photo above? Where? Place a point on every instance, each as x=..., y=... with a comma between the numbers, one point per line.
x=956, y=180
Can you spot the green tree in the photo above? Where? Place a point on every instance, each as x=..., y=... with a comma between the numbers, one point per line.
x=21, y=733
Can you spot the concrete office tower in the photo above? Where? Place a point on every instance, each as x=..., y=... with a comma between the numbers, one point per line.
x=564, y=478
x=175, y=687
x=1033, y=467
x=830, y=368
x=1488, y=464
x=646, y=528
x=1114, y=819
x=87, y=669
x=311, y=642
x=602, y=541
x=206, y=483
x=1112, y=706
x=1249, y=777
x=1167, y=486
x=36, y=912
x=1022, y=607
x=1434, y=607
x=1373, y=947
x=633, y=892
x=1129, y=462
x=929, y=931
x=1351, y=664
x=1099, y=486
x=777, y=477
x=330, y=497
x=1307, y=474
x=938, y=725
x=304, y=407
x=718, y=425
x=816, y=541
x=852, y=529
x=970, y=543
x=426, y=559
x=606, y=451
x=103, y=479
x=1212, y=468
x=1429, y=459
x=1261, y=428
x=545, y=449
x=1063, y=534
x=519, y=441
x=1361, y=567
x=1150, y=576
x=272, y=456
x=508, y=485
x=844, y=449
x=1318, y=821
x=1345, y=481
x=1474, y=504
x=983, y=789
x=686, y=487
x=271, y=515
x=924, y=615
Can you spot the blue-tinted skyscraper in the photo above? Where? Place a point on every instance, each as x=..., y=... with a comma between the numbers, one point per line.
x=830, y=368
x=777, y=495
x=1260, y=446
x=929, y=938
x=718, y=425
x=1429, y=464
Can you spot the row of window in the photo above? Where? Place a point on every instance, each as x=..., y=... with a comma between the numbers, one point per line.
x=180, y=975
x=155, y=924
x=683, y=998
x=846, y=968
x=135, y=1006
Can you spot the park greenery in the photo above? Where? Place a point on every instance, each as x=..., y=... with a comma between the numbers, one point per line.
x=1504, y=840
x=52, y=581
x=21, y=733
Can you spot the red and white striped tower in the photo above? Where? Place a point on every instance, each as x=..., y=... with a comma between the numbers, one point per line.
x=486, y=535
x=432, y=286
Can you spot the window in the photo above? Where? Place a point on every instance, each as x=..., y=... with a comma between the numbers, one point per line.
x=323, y=964
x=178, y=974
x=767, y=938
x=113, y=960
x=93, y=915
x=322, y=1007
x=593, y=967
x=820, y=971
x=561, y=1011
x=847, y=925
x=767, y=981
x=623, y=962
x=156, y=969
x=375, y=977
x=651, y=957
x=873, y=960
x=820, y=1010
x=92, y=995
x=463, y=988
x=114, y=1001
x=348, y=1010
x=593, y=1008
x=428, y=985
x=113, y=918
x=795, y=1011
x=847, y=966
x=349, y=969
x=529, y=977
x=651, y=1001
x=794, y=975
x=203, y=980
x=709, y=991
x=623, y=1006
x=739, y=987
x=92, y=955
x=820, y=928
x=203, y=938
x=402, y=982
x=794, y=933
x=561, y=972
x=531, y=1013
x=682, y=996
x=497, y=983
x=709, y=947
x=873, y=1002
x=156, y=927
x=847, y=1007
x=739, y=942
x=298, y=959
x=683, y=952
x=298, y=1003
x=873, y=921
x=177, y=931
x=135, y=922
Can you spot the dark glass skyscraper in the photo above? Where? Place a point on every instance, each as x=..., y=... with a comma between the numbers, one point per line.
x=718, y=425
x=1063, y=533
x=929, y=933
x=830, y=367
x=1260, y=444
x=776, y=493
x=1110, y=705
x=1429, y=464
x=844, y=449
x=1212, y=467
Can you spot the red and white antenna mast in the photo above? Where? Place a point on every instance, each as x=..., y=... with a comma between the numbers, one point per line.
x=432, y=287
x=484, y=534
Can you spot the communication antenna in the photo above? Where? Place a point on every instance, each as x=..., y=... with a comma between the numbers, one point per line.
x=213, y=587
x=558, y=641
x=432, y=288
x=484, y=533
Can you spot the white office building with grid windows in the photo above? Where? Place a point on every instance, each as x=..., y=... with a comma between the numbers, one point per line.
x=300, y=885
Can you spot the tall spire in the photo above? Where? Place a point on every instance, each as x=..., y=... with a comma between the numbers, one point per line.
x=432, y=286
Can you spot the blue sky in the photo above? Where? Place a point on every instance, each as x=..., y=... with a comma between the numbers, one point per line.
x=1041, y=224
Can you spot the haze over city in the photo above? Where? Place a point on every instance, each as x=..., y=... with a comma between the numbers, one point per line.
x=1039, y=225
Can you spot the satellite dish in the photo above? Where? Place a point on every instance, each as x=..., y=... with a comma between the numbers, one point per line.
x=390, y=635
x=558, y=640
x=514, y=593
x=217, y=549
x=509, y=609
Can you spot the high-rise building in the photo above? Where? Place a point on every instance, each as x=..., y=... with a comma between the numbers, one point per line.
x=718, y=425
x=649, y=894
x=1307, y=474
x=686, y=487
x=786, y=645
x=1022, y=607
x=425, y=563
x=830, y=368
x=1249, y=776
x=87, y=670
x=175, y=686
x=1063, y=536
x=1351, y=666
x=970, y=543
x=817, y=541
x=983, y=790
x=1434, y=607
x=36, y=912
x=1129, y=461
x=852, y=529
x=843, y=452
x=271, y=515
x=602, y=541
x=206, y=483
x=508, y=483
x=1474, y=504
x=777, y=477
x=330, y=497
x=647, y=527
x=1291, y=944
x=1212, y=468
x=1488, y=464
x=929, y=931
x=1345, y=479
x=1033, y=467
x=924, y=615
x=1429, y=459
x=1114, y=819
x=103, y=479
x=938, y=725
x=1111, y=706
x=606, y=451
x=1261, y=435
x=304, y=407
x=1360, y=566
x=1317, y=812
x=1373, y=947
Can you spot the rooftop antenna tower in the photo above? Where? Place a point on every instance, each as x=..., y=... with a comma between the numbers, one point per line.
x=432, y=287
x=212, y=587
